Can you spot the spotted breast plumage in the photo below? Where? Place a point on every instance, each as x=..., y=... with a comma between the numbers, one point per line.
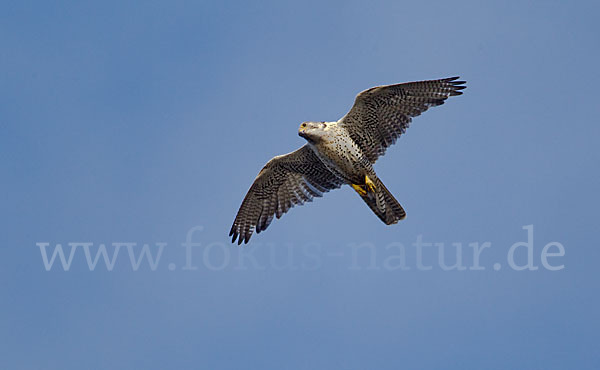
x=342, y=152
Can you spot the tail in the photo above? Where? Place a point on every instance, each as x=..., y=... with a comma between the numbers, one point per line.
x=383, y=204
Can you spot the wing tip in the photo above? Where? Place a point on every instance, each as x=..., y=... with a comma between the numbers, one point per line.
x=449, y=79
x=236, y=235
x=240, y=238
x=453, y=80
x=456, y=85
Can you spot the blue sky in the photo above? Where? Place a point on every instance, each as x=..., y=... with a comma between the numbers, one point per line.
x=129, y=122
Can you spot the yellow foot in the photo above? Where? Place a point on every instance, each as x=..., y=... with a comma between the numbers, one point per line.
x=370, y=184
x=359, y=189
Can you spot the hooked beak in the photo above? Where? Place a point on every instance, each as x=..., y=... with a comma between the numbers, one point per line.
x=301, y=131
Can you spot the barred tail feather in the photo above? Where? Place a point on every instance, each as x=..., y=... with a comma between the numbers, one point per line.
x=384, y=205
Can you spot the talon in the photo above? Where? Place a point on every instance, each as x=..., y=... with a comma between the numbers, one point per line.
x=359, y=189
x=370, y=184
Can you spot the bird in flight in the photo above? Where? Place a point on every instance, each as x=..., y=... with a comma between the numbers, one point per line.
x=342, y=152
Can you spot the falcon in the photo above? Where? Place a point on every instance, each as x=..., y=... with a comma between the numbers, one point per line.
x=341, y=152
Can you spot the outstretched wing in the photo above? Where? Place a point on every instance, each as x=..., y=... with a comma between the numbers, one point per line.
x=284, y=181
x=381, y=114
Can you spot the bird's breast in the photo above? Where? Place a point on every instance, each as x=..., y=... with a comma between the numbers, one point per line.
x=341, y=155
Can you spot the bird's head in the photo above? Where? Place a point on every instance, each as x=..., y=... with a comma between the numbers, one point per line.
x=312, y=131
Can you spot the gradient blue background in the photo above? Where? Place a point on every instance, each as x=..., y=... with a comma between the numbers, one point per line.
x=123, y=121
